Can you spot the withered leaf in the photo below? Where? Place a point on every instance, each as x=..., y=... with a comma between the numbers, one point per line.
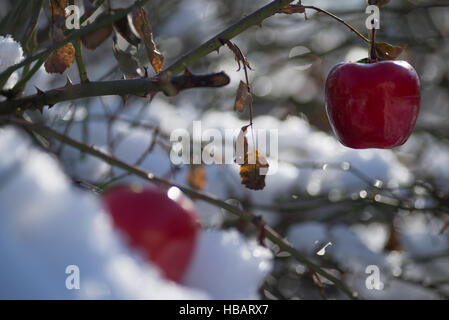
x=387, y=51
x=58, y=12
x=143, y=28
x=129, y=64
x=292, y=8
x=253, y=175
x=254, y=167
x=60, y=59
x=196, y=178
x=127, y=30
x=56, y=34
x=93, y=39
x=239, y=57
x=243, y=97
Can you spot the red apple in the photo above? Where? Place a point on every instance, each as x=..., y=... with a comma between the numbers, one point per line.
x=164, y=230
x=372, y=105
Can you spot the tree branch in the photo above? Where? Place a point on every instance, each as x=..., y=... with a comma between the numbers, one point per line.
x=258, y=222
x=139, y=87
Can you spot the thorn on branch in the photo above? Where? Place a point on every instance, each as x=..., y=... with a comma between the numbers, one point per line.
x=68, y=82
x=124, y=99
x=187, y=72
x=39, y=91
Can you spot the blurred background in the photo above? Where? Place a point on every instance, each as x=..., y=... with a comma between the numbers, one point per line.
x=370, y=207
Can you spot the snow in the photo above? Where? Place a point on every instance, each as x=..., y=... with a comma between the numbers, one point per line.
x=347, y=249
x=421, y=238
x=434, y=162
x=235, y=268
x=10, y=53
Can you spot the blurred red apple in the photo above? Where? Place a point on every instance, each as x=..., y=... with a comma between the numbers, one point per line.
x=373, y=105
x=163, y=229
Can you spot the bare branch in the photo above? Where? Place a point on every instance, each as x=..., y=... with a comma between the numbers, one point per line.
x=139, y=87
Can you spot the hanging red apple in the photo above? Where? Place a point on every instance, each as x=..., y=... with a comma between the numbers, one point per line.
x=373, y=105
x=164, y=230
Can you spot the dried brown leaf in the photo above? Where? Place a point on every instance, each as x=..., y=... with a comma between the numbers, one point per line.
x=243, y=97
x=196, y=178
x=254, y=167
x=60, y=59
x=387, y=51
x=239, y=57
x=292, y=8
x=129, y=64
x=58, y=12
x=127, y=30
x=143, y=28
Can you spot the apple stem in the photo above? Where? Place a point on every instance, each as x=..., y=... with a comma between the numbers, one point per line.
x=373, y=53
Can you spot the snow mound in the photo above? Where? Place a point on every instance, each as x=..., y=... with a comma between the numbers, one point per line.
x=11, y=53
x=228, y=267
